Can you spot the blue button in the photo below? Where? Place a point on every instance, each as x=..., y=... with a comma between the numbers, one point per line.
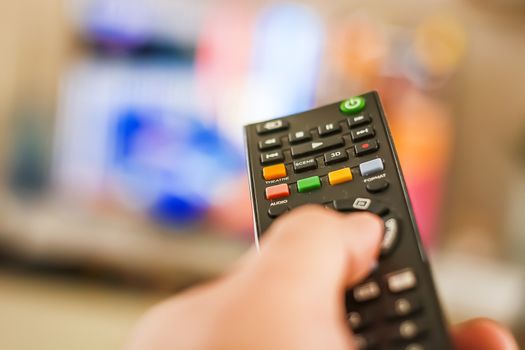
x=371, y=167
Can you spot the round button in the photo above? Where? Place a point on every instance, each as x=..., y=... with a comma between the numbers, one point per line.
x=353, y=105
x=377, y=186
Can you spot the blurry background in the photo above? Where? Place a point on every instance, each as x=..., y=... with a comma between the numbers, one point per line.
x=122, y=172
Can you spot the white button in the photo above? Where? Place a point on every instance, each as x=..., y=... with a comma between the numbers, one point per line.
x=273, y=124
x=360, y=342
x=362, y=203
x=408, y=330
x=401, y=281
x=402, y=307
x=366, y=292
x=390, y=236
x=355, y=320
x=414, y=347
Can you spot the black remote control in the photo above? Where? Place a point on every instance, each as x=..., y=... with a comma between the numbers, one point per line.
x=342, y=156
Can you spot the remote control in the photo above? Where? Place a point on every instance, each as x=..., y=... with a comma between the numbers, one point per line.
x=342, y=156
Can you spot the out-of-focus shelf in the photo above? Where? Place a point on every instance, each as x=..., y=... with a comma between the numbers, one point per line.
x=54, y=235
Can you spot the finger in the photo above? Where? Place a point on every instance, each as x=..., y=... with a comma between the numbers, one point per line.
x=483, y=334
x=317, y=248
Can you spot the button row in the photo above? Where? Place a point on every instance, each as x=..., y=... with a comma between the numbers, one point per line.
x=368, y=168
x=303, y=136
x=399, y=308
x=350, y=106
x=317, y=147
x=308, y=184
x=404, y=332
x=397, y=282
x=325, y=130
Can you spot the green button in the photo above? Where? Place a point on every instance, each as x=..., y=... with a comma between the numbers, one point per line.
x=308, y=184
x=353, y=105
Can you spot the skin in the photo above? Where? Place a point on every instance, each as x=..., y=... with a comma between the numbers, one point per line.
x=290, y=295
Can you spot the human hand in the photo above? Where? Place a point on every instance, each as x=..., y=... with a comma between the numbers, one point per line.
x=290, y=295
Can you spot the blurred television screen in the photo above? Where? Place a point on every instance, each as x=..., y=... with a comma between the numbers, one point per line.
x=133, y=132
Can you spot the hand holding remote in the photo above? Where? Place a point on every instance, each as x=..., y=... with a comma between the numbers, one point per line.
x=290, y=295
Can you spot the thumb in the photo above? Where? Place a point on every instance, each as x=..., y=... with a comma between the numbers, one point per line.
x=483, y=334
x=320, y=250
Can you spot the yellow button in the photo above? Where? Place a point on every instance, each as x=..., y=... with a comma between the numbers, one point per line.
x=340, y=176
x=274, y=172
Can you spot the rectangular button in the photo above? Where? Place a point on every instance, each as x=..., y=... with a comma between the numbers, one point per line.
x=401, y=281
x=274, y=172
x=277, y=191
x=304, y=165
x=335, y=157
x=299, y=136
x=277, y=210
x=270, y=143
x=317, y=146
x=371, y=167
x=362, y=134
x=329, y=129
x=308, y=184
x=367, y=291
x=272, y=157
x=358, y=120
x=271, y=126
x=340, y=176
x=366, y=148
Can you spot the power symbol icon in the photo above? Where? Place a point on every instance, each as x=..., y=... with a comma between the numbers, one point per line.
x=353, y=105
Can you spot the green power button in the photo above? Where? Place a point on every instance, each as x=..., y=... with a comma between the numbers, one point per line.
x=353, y=105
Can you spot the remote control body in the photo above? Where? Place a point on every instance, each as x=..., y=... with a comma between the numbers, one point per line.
x=342, y=156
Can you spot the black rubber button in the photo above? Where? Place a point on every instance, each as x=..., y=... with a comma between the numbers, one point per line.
x=304, y=165
x=335, y=157
x=329, y=129
x=272, y=157
x=271, y=126
x=270, y=143
x=362, y=133
x=358, y=120
x=360, y=204
x=377, y=186
x=317, y=146
x=277, y=210
x=299, y=136
x=366, y=148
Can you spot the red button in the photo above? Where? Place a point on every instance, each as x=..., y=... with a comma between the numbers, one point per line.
x=277, y=191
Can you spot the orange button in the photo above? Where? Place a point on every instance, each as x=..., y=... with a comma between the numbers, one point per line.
x=274, y=172
x=340, y=176
x=277, y=191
